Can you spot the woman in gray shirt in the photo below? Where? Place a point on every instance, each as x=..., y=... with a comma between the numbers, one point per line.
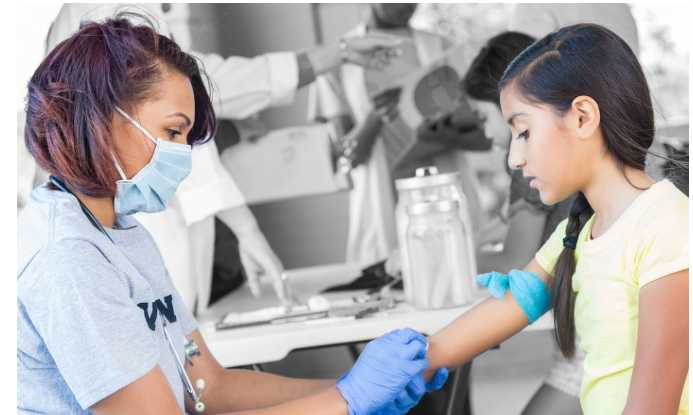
x=112, y=114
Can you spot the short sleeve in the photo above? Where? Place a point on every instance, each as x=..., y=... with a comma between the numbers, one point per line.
x=82, y=309
x=187, y=321
x=550, y=251
x=327, y=99
x=662, y=247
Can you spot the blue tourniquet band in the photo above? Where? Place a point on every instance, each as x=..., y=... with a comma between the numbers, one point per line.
x=526, y=287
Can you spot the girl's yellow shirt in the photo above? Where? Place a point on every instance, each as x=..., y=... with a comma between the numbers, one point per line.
x=649, y=241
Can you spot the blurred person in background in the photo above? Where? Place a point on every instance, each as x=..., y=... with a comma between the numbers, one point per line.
x=356, y=100
x=185, y=232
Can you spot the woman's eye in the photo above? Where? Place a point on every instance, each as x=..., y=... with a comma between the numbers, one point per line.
x=173, y=133
x=524, y=135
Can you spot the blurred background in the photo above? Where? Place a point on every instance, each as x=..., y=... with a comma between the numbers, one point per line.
x=252, y=29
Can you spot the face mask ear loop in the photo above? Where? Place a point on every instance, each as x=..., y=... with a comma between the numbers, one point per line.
x=118, y=167
x=139, y=127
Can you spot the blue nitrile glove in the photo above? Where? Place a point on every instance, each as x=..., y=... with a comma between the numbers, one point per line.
x=527, y=288
x=385, y=367
x=408, y=397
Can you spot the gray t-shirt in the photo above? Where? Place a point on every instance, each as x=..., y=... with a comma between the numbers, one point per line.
x=87, y=320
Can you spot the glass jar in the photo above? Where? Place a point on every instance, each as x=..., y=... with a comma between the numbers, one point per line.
x=437, y=252
x=429, y=186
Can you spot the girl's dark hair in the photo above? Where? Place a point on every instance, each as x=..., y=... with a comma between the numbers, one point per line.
x=586, y=59
x=481, y=80
x=73, y=94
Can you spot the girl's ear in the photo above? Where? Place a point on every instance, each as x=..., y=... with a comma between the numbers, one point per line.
x=585, y=113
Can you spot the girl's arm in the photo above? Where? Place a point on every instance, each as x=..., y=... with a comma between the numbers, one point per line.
x=521, y=243
x=474, y=332
x=661, y=357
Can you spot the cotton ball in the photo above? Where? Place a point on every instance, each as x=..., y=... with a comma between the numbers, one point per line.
x=318, y=303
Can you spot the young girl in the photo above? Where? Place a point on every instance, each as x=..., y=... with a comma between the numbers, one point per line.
x=616, y=271
x=530, y=222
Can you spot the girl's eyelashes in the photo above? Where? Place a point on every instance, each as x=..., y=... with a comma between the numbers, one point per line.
x=524, y=134
x=173, y=133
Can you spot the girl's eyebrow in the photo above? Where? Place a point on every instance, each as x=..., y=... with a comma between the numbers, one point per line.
x=514, y=115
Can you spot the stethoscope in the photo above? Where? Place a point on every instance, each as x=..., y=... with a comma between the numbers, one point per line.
x=191, y=348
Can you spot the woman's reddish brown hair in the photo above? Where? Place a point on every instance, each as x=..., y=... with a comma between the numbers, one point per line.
x=73, y=94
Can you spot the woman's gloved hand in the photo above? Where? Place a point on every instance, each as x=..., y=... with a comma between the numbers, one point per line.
x=410, y=396
x=387, y=365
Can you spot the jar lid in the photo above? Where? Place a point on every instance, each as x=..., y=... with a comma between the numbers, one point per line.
x=440, y=206
x=427, y=177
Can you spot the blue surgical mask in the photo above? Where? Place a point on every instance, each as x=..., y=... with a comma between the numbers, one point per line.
x=152, y=186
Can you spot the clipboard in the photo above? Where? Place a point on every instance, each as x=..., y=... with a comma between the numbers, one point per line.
x=286, y=163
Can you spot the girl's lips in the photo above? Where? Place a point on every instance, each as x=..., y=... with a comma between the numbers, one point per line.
x=532, y=182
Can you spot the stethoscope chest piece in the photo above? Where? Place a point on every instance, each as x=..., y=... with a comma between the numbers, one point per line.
x=191, y=349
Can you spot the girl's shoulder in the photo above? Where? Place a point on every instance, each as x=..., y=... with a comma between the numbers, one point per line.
x=658, y=245
x=663, y=209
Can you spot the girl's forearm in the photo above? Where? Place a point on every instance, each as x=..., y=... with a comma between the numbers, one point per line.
x=244, y=390
x=484, y=326
x=481, y=328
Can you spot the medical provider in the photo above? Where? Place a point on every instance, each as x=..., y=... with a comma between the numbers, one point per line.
x=185, y=231
x=112, y=113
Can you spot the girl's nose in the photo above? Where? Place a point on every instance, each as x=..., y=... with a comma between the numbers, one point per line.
x=516, y=158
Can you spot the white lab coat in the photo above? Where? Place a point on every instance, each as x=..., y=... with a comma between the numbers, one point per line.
x=538, y=20
x=184, y=232
x=372, y=235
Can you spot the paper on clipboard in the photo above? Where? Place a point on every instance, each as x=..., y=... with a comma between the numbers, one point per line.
x=285, y=163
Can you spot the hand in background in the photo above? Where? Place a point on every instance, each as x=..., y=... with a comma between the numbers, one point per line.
x=385, y=103
x=359, y=141
x=374, y=51
x=458, y=128
x=257, y=256
x=258, y=259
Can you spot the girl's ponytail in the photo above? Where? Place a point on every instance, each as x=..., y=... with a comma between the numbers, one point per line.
x=562, y=298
